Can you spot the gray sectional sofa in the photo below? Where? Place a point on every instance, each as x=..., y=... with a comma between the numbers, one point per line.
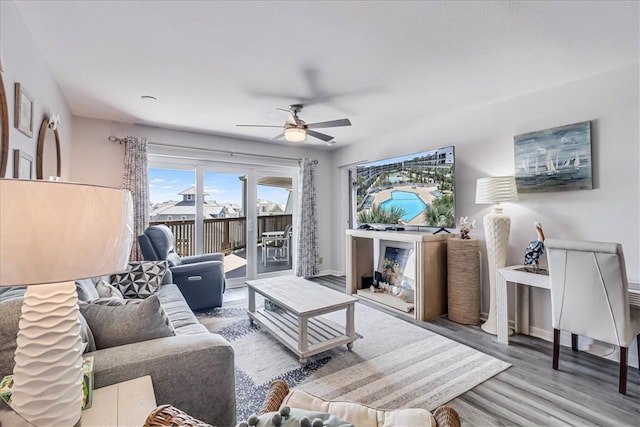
x=192, y=370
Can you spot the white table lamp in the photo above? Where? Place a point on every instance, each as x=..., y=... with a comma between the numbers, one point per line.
x=52, y=233
x=494, y=190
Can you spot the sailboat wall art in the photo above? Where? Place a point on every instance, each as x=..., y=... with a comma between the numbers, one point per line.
x=557, y=159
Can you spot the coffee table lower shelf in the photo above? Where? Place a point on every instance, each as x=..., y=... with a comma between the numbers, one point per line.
x=318, y=336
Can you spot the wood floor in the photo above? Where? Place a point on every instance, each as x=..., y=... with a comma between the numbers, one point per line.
x=584, y=392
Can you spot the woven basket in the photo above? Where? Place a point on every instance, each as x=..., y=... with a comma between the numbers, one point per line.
x=446, y=416
x=168, y=416
x=278, y=390
x=463, y=281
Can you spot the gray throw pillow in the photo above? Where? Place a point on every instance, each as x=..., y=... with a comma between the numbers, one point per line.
x=107, y=290
x=9, y=319
x=116, y=301
x=86, y=335
x=174, y=259
x=86, y=290
x=141, y=279
x=119, y=325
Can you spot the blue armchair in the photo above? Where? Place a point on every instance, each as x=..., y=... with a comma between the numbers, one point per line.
x=200, y=278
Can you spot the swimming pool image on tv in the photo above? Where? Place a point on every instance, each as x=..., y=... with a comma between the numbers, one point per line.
x=410, y=203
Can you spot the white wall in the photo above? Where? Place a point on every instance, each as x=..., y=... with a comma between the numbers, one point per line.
x=483, y=139
x=23, y=63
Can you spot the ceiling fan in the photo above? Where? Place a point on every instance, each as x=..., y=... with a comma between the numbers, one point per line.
x=296, y=129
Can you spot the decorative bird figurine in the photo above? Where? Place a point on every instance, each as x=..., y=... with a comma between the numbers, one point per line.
x=535, y=249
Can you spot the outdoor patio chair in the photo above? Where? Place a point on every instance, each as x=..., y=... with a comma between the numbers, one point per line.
x=279, y=244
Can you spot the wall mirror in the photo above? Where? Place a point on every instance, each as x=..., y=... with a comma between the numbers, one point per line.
x=4, y=129
x=48, y=152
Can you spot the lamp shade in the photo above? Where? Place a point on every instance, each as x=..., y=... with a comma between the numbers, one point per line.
x=496, y=189
x=52, y=233
x=295, y=134
x=57, y=231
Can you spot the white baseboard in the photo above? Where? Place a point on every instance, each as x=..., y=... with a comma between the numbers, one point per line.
x=331, y=273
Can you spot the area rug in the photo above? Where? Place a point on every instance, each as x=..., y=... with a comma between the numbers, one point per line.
x=393, y=363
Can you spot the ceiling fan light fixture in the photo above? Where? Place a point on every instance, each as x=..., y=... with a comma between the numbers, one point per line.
x=295, y=134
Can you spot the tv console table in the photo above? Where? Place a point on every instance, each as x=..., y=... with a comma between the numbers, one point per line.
x=428, y=269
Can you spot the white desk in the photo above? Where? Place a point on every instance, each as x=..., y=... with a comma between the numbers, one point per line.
x=513, y=275
x=128, y=403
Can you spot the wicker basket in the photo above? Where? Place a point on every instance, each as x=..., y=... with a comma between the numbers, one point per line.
x=278, y=390
x=168, y=416
x=463, y=281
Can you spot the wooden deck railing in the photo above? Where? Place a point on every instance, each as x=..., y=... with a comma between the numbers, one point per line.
x=221, y=234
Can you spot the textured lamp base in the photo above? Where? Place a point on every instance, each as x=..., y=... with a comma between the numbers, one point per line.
x=47, y=388
x=496, y=232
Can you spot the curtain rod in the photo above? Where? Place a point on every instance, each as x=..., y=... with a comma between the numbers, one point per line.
x=230, y=153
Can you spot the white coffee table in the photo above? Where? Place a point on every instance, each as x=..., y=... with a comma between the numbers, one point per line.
x=296, y=324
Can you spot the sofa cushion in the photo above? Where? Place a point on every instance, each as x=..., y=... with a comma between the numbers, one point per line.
x=293, y=417
x=141, y=279
x=174, y=259
x=118, y=325
x=178, y=311
x=361, y=415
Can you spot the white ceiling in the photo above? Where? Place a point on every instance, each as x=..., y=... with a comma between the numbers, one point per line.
x=215, y=64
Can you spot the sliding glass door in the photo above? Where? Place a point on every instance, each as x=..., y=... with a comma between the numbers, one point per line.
x=275, y=222
x=244, y=211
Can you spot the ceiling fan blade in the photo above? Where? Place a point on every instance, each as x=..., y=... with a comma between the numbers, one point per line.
x=278, y=136
x=322, y=136
x=329, y=124
x=261, y=126
x=292, y=119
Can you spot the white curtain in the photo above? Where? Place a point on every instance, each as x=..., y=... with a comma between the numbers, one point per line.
x=136, y=180
x=307, y=229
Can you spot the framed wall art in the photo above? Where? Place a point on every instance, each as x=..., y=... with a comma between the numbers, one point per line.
x=22, y=165
x=556, y=159
x=24, y=111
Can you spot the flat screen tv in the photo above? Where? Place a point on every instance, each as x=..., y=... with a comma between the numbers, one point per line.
x=416, y=190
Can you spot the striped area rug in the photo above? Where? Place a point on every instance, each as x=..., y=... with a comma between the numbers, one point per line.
x=393, y=364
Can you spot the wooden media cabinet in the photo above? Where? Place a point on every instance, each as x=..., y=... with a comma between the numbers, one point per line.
x=428, y=269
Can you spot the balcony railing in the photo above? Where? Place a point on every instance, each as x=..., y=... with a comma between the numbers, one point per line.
x=221, y=234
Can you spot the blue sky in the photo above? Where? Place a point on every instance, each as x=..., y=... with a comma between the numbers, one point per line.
x=165, y=184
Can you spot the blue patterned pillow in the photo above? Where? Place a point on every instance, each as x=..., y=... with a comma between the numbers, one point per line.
x=141, y=280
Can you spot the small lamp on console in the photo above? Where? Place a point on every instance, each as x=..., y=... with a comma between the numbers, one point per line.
x=494, y=190
x=52, y=233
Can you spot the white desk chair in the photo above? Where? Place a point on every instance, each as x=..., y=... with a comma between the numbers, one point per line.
x=590, y=297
